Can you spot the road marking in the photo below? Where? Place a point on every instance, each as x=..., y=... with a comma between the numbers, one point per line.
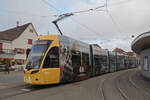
x=27, y=90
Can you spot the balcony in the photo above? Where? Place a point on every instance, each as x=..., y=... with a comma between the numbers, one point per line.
x=7, y=51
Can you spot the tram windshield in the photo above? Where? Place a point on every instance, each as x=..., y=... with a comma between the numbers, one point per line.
x=38, y=50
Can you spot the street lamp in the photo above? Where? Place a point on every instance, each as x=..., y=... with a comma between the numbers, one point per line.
x=132, y=36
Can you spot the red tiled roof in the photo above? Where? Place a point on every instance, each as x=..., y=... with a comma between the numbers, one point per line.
x=119, y=50
x=130, y=53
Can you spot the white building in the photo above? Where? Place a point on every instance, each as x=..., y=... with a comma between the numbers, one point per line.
x=15, y=41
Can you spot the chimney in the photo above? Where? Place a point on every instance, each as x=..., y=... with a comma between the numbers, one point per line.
x=48, y=33
x=17, y=23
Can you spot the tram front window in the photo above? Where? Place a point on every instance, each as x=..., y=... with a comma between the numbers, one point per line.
x=38, y=50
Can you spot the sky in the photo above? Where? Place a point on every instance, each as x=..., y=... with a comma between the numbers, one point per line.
x=110, y=29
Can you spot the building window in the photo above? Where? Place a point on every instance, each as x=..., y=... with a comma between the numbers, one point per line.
x=145, y=63
x=31, y=30
x=29, y=41
x=19, y=51
x=19, y=61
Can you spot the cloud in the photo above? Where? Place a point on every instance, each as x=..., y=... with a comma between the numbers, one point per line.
x=131, y=17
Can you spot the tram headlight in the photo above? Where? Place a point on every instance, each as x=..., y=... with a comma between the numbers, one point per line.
x=29, y=80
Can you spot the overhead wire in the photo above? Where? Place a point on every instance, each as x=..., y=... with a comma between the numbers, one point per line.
x=84, y=11
x=88, y=10
x=81, y=24
x=111, y=17
x=49, y=4
x=92, y=9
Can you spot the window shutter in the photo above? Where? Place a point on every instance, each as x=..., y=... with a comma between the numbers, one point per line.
x=15, y=61
x=29, y=41
x=1, y=46
x=15, y=50
x=23, y=61
x=23, y=51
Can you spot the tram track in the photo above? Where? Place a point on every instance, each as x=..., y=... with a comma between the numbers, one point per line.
x=28, y=89
x=129, y=88
x=14, y=91
x=124, y=95
x=117, y=87
x=22, y=89
x=136, y=86
x=102, y=90
x=12, y=95
x=126, y=87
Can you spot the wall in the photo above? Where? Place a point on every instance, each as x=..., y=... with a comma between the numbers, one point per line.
x=6, y=44
x=7, y=49
x=145, y=53
x=22, y=41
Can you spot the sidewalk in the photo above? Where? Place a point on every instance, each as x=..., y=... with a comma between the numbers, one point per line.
x=13, y=76
x=11, y=72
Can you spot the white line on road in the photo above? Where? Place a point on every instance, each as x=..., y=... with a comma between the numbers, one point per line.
x=27, y=90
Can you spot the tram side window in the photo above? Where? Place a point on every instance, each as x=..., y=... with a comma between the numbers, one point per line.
x=85, y=59
x=76, y=61
x=111, y=60
x=118, y=61
x=98, y=61
x=103, y=60
x=52, y=59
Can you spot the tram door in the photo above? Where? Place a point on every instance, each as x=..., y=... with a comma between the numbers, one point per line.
x=51, y=70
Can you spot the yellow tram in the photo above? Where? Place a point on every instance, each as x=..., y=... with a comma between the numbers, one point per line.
x=54, y=59
x=35, y=73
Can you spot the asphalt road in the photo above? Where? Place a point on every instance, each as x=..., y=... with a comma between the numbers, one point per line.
x=122, y=85
x=14, y=76
x=128, y=85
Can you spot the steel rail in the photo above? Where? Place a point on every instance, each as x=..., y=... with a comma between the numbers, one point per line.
x=102, y=90
x=123, y=94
